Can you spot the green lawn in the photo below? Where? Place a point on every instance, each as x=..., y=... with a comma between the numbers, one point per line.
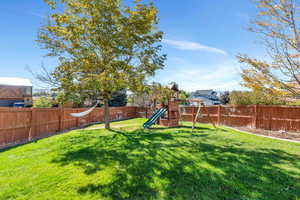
x=131, y=163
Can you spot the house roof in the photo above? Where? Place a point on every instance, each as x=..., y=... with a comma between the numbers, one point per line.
x=14, y=81
x=202, y=92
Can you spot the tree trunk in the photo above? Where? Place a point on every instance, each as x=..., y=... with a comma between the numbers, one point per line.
x=106, y=114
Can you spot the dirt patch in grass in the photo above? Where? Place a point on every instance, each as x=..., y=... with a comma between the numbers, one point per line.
x=278, y=134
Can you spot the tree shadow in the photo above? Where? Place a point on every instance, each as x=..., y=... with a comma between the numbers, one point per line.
x=149, y=164
x=182, y=127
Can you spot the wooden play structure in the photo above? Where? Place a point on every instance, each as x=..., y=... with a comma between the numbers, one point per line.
x=170, y=114
x=171, y=117
x=166, y=113
x=199, y=113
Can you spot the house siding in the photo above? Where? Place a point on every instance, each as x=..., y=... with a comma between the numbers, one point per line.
x=14, y=94
x=9, y=103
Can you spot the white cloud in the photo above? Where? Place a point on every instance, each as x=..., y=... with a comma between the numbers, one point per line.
x=221, y=72
x=222, y=76
x=187, y=45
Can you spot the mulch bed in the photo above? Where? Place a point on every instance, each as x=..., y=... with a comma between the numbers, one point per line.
x=278, y=134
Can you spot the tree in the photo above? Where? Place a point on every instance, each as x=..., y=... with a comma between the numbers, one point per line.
x=183, y=96
x=225, y=98
x=277, y=23
x=160, y=93
x=102, y=46
x=118, y=99
x=42, y=102
x=254, y=97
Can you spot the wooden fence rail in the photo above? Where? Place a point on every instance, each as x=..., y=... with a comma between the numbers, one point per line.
x=275, y=118
x=20, y=125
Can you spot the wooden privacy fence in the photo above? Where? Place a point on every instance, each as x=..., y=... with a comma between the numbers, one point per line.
x=274, y=118
x=20, y=125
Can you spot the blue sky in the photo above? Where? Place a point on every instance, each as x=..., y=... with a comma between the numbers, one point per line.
x=202, y=38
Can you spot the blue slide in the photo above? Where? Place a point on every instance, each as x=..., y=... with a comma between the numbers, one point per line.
x=157, y=114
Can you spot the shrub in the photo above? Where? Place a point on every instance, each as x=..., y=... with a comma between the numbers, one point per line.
x=294, y=103
x=248, y=98
x=225, y=98
x=42, y=102
x=118, y=99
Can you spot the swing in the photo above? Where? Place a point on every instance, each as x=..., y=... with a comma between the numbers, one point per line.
x=199, y=114
x=183, y=111
x=84, y=113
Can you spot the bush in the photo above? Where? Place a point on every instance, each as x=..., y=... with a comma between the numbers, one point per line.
x=42, y=102
x=225, y=98
x=248, y=98
x=294, y=103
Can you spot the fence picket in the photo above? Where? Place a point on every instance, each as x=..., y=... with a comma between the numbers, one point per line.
x=20, y=125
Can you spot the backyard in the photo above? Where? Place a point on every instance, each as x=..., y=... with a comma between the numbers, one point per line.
x=128, y=162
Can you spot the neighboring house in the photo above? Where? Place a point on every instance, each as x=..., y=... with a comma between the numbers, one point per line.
x=42, y=93
x=15, y=92
x=209, y=97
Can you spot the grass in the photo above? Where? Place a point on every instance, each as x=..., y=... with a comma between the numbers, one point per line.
x=161, y=163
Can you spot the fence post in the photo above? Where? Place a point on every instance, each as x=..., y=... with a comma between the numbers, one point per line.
x=193, y=114
x=255, y=116
x=61, y=120
x=270, y=120
x=32, y=124
x=219, y=114
x=89, y=118
x=77, y=119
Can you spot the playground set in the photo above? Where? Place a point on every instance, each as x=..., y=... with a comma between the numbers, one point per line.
x=171, y=114
x=168, y=115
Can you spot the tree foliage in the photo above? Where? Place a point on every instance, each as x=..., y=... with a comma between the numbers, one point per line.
x=43, y=102
x=160, y=93
x=102, y=46
x=225, y=98
x=183, y=96
x=254, y=97
x=277, y=23
x=118, y=99
x=156, y=93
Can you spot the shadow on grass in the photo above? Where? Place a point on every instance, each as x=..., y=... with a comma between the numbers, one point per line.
x=148, y=164
x=184, y=127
